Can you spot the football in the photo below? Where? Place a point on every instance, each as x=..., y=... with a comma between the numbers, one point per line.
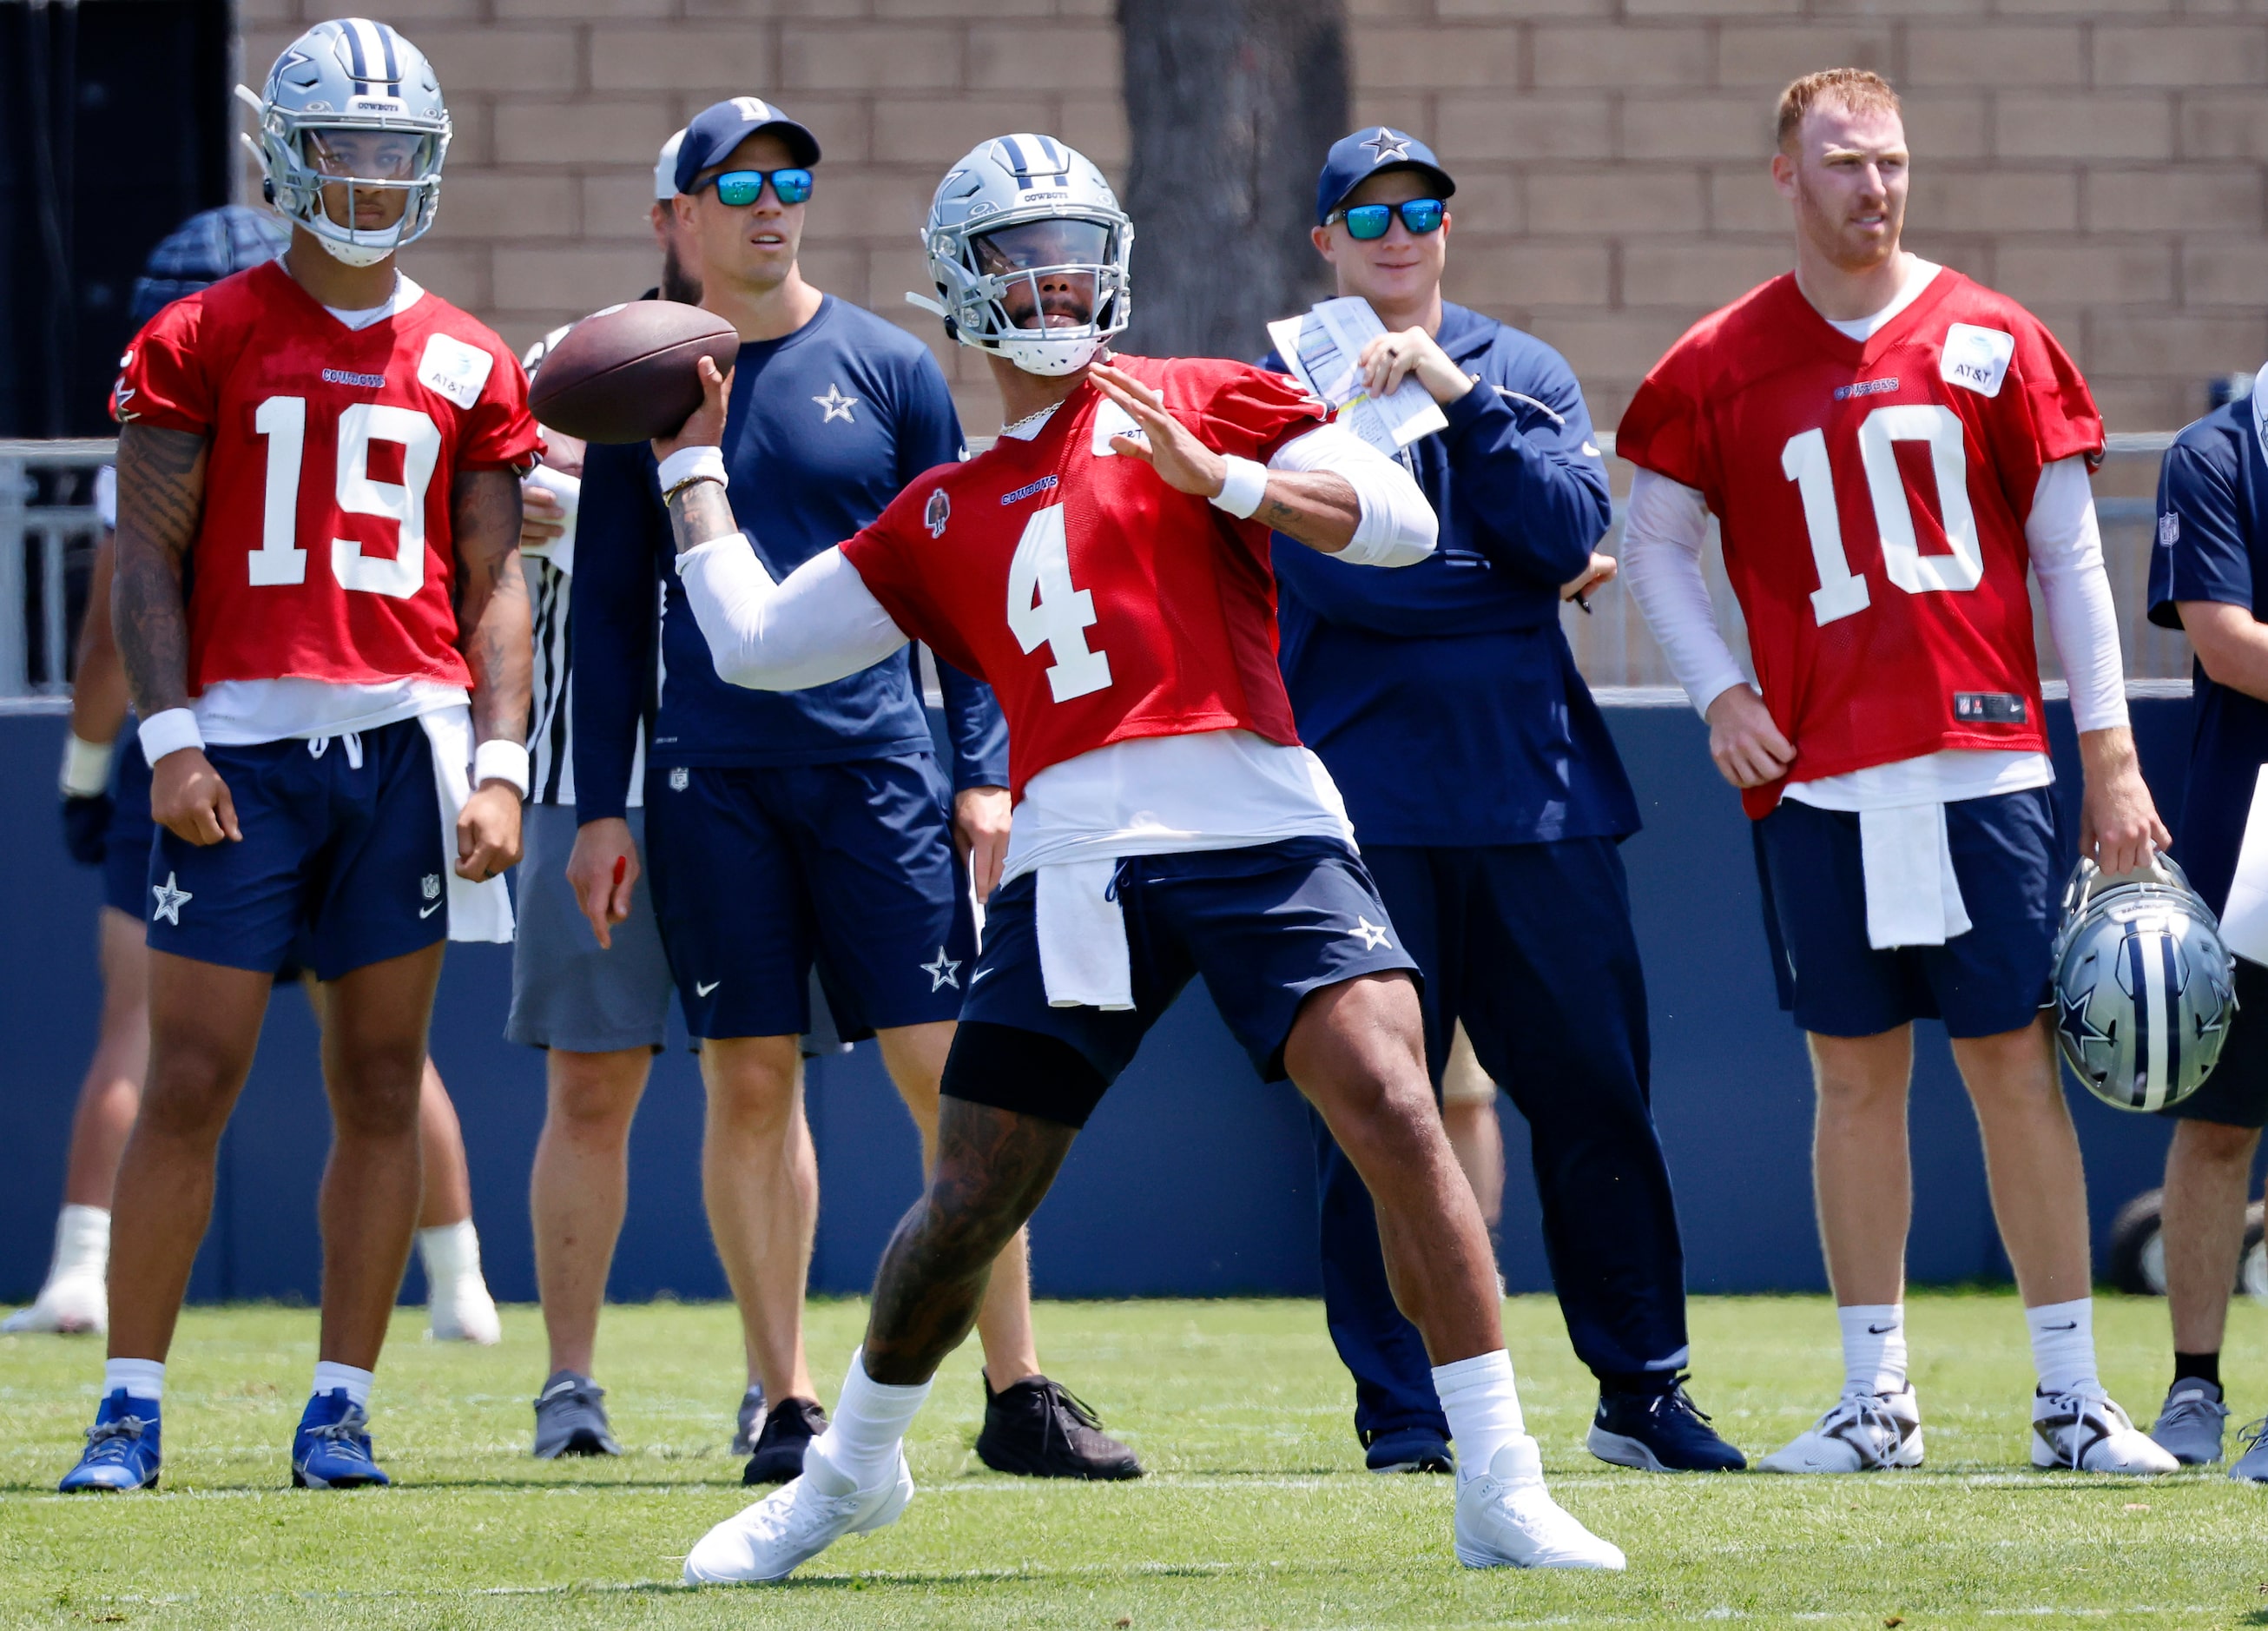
x=628, y=373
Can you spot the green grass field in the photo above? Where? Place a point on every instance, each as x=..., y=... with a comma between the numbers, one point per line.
x=1257, y=1513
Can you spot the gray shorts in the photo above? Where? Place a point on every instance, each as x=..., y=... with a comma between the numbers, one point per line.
x=566, y=992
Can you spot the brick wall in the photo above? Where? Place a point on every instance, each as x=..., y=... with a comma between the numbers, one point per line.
x=2101, y=159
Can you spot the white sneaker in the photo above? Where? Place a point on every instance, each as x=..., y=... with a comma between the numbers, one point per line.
x=1506, y=1519
x=463, y=1312
x=2086, y=1431
x=1862, y=1433
x=73, y=1305
x=794, y=1524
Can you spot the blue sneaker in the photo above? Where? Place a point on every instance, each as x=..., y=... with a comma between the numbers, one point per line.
x=331, y=1449
x=121, y=1448
x=1408, y=1449
x=1659, y=1432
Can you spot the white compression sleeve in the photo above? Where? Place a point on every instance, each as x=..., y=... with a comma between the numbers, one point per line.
x=1663, y=531
x=1398, y=527
x=823, y=623
x=2066, y=551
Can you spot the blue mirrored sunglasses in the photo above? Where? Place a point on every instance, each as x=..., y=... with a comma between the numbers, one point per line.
x=790, y=187
x=1368, y=221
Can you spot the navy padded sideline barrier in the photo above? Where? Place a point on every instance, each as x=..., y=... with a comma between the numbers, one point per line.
x=1193, y=1178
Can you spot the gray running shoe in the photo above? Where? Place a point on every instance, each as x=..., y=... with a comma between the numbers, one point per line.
x=750, y=1425
x=2251, y=1467
x=570, y=1418
x=2189, y=1425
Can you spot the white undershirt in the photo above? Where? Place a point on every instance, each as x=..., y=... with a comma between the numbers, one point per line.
x=245, y=712
x=1207, y=791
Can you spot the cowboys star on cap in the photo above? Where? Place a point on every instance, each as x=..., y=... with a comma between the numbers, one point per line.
x=1386, y=145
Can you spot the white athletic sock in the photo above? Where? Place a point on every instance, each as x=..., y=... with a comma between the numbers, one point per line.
x=1874, y=1346
x=82, y=1242
x=2063, y=1344
x=330, y=1377
x=870, y=1422
x=142, y=1378
x=1481, y=1402
x=449, y=1253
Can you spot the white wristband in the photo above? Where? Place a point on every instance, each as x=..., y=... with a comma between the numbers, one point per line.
x=692, y=464
x=1242, y=487
x=499, y=760
x=169, y=731
x=86, y=766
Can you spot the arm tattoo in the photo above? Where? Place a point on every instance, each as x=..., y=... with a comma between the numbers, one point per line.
x=161, y=489
x=700, y=515
x=1314, y=507
x=492, y=617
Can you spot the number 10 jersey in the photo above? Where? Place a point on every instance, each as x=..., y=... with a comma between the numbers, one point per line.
x=1871, y=499
x=324, y=549
x=1101, y=605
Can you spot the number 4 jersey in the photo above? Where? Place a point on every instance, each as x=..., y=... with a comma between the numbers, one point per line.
x=1101, y=605
x=1871, y=497
x=324, y=551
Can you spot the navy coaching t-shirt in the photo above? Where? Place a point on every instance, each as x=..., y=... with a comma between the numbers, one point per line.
x=2212, y=545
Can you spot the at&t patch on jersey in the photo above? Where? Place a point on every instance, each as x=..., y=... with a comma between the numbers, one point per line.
x=1976, y=359
x=456, y=370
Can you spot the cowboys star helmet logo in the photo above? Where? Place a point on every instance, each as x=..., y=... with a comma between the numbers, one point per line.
x=940, y=511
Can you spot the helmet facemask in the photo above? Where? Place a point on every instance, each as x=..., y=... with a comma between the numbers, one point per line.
x=1047, y=293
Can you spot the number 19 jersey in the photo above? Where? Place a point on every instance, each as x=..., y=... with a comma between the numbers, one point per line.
x=1871, y=499
x=1100, y=605
x=324, y=551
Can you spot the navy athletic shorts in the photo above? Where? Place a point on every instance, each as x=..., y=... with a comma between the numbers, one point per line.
x=341, y=864
x=1264, y=926
x=2009, y=855
x=2237, y=1094
x=126, y=840
x=759, y=874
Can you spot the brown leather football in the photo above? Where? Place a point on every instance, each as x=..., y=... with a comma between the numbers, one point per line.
x=630, y=373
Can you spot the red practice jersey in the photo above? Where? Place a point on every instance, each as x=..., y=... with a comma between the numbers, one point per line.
x=1871, y=499
x=1100, y=604
x=324, y=551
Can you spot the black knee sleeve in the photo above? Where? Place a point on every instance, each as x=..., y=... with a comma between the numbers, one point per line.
x=1023, y=1072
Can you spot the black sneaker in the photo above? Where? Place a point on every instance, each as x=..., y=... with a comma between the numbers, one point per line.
x=789, y=1426
x=1408, y=1449
x=1038, y=1429
x=1659, y=1432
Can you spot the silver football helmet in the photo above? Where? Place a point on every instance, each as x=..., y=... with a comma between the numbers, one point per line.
x=1029, y=250
x=351, y=101
x=2143, y=989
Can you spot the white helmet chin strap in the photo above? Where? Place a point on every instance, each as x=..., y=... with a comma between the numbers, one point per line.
x=1050, y=358
x=353, y=253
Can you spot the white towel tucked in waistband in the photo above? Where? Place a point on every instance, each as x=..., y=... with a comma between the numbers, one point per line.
x=1912, y=896
x=1084, y=962
x=477, y=912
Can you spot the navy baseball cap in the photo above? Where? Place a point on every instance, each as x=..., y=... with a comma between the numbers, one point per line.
x=210, y=246
x=1354, y=159
x=719, y=128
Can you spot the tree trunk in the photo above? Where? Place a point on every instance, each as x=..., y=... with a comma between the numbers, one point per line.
x=1231, y=105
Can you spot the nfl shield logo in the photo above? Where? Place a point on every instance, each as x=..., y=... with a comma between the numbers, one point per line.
x=431, y=886
x=941, y=509
x=678, y=778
